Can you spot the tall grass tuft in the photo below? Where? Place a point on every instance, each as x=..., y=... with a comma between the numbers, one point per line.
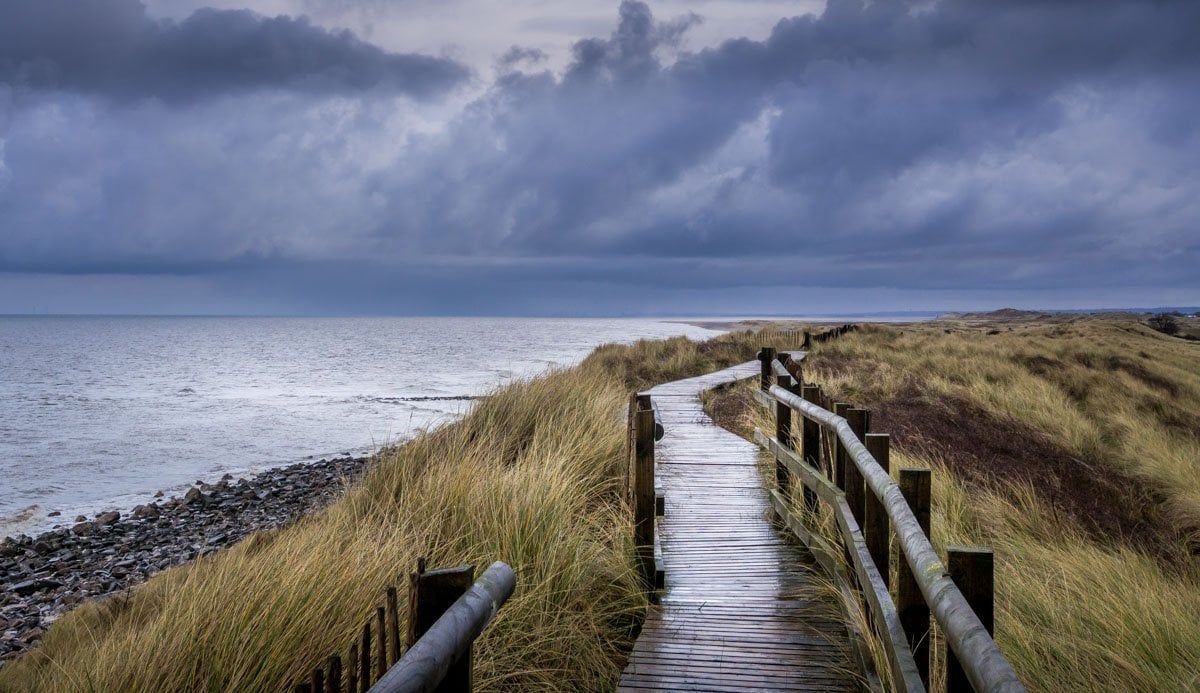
x=529, y=477
x=1075, y=611
x=532, y=475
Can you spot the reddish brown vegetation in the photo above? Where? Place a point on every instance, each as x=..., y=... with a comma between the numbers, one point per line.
x=979, y=448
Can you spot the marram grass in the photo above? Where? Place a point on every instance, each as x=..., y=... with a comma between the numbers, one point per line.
x=1073, y=612
x=531, y=476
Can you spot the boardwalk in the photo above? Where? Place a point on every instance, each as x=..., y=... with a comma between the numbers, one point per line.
x=738, y=612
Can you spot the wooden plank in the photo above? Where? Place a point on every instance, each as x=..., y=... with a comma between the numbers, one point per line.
x=738, y=610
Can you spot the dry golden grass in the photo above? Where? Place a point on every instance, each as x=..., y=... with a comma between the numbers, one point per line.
x=1075, y=611
x=530, y=476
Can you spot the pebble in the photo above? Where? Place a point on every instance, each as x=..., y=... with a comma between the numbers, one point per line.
x=44, y=577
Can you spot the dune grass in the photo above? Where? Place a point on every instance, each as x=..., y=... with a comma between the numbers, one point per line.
x=1077, y=609
x=530, y=476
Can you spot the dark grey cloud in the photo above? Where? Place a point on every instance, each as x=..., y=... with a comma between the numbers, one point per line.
x=518, y=55
x=910, y=129
x=112, y=48
x=960, y=147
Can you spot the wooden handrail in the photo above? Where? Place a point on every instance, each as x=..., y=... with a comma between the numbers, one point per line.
x=426, y=663
x=985, y=666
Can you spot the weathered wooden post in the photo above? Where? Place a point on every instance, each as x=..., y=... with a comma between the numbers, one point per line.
x=352, y=672
x=839, y=461
x=430, y=594
x=860, y=423
x=364, y=662
x=876, y=526
x=644, y=497
x=381, y=642
x=910, y=604
x=766, y=356
x=810, y=442
x=393, y=625
x=630, y=444
x=794, y=369
x=335, y=674
x=783, y=433
x=973, y=571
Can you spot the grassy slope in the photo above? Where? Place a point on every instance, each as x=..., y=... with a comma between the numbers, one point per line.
x=1083, y=604
x=531, y=476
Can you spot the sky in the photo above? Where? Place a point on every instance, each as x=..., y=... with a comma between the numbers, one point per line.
x=528, y=157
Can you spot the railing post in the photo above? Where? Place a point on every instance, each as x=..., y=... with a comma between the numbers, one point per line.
x=643, y=499
x=783, y=433
x=381, y=642
x=430, y=594
x=860, y=423
x=364, y=657
x=810, y=442
x=393, y=608
x=795, y=369
x=438, y=658
x=973, y=571
x=911, y=606
x=335, y=675
x=766, y=355
x=876, y=525
x=630, y=444
x=839, y=461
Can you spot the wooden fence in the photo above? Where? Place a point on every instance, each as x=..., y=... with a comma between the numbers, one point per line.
x=447, y=610
x=829, y=455
x=803, y=337
x=647, y=501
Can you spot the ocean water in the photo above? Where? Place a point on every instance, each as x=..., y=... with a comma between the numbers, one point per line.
x=100, y=412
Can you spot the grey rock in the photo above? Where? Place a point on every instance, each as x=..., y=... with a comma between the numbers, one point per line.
x=30, y=586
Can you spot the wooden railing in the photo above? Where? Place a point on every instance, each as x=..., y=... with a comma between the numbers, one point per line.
x=447, y=610
x=841, y=466
x=805, y=338
x=644, y=429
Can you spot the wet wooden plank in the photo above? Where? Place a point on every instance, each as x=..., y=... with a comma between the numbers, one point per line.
x=740, y=610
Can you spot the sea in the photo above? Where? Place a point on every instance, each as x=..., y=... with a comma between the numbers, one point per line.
x=99, y=413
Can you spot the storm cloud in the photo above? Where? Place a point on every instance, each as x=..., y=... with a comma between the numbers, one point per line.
x=1014, y=150
x=112, y=48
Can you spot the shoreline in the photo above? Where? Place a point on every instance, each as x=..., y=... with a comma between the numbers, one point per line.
x=736, y=325
x=44, y=576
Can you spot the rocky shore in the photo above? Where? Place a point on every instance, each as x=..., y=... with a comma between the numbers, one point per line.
x=45, y=576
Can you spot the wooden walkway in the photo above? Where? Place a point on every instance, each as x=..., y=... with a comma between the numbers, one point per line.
x=739, y=611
